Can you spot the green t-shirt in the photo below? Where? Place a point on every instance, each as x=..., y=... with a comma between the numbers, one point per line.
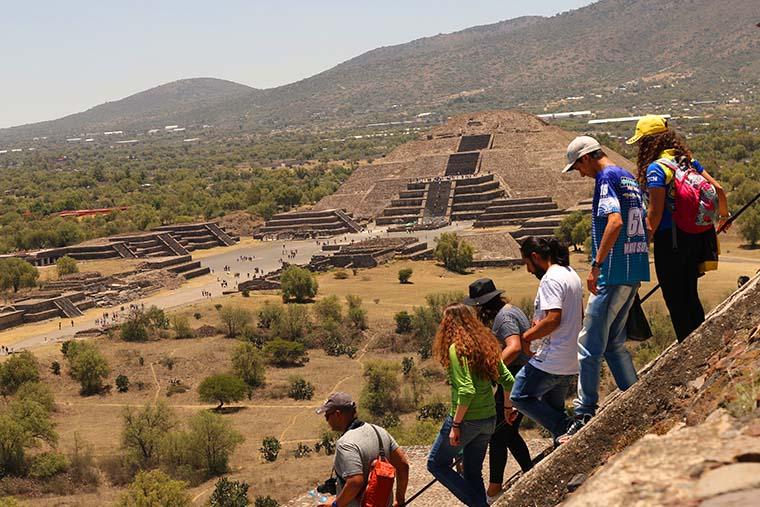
x=473, y=391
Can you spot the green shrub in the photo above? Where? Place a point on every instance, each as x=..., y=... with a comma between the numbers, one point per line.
x=327, y=442
x=455, y=254
x=328, y=310
x=284, y=353
x=417, y=433
x=406, y=365
x=357, y=315
x=663, y=335
x=66, y=266
x=18, y=369
x=181, y=327
x=403, y=322
x=270, y=314
x=235, y=319
x=229, y=493
x=381, y=391
x=302, y=451
x=340, y=274
x=87, y=366
x=156, y=318
x=433, y=412
x=298, y=284
x=300, y=389
x=270, y=449
x=222, y=388
x=155, y=489
x=37, y=392
x=404, y=275
x=265, y=501
x=293, y=324
x=211, y=441
x=248, y=364
x=55, y=368
x=122, y=383
x=135, y=329
x=47, y=465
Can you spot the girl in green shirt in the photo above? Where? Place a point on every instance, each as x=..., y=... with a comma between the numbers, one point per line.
x=472, y=356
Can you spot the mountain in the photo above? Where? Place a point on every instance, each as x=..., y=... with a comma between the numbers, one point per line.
x=187, y=101
x=709, y=48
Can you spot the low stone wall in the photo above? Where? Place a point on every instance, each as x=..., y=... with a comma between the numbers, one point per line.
x=494, y=263
x=10, y=319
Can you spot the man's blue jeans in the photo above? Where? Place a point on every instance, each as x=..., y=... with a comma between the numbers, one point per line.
x=541, y=396
x=603, y=337
x=473, y=442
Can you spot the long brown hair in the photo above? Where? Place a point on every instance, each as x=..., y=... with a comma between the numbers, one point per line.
x=650, y=148
x=472, y=340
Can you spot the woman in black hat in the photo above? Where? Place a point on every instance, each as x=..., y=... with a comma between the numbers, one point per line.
x=508, y=323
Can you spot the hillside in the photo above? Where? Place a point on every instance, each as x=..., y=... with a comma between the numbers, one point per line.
x=187, y=101
x=707, y=48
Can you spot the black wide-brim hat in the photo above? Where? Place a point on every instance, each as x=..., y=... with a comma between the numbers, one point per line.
x=481, y=292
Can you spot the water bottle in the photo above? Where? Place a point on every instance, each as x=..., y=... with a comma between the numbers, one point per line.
x=317, y=496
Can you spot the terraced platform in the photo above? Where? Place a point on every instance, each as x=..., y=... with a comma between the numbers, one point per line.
x=331, y=222
x=516, y=211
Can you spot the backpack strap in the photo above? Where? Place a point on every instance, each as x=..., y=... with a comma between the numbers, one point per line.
x=379, y=442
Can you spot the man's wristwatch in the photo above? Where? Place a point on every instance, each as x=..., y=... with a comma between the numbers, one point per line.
x=595, y=264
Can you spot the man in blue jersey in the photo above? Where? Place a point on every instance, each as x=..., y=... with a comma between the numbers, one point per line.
x=620, y=256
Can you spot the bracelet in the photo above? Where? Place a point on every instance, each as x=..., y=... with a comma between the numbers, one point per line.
x=456, y=424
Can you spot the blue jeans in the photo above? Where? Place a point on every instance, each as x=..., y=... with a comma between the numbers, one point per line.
x=473, y=442
x=603, y=337
x=541, y=396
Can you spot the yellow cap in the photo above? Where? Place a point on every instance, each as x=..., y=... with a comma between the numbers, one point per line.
x=648, y=125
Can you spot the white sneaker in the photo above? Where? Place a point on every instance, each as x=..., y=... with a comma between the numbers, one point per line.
x=491, y=499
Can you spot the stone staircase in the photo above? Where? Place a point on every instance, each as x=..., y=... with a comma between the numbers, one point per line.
x=463, y=163
x=475, y=143
x=124, y=250
x=517, y=211
x=539, y=227
x=67, y=308
x=174, y=246
x=330, y=222
x=221, y=235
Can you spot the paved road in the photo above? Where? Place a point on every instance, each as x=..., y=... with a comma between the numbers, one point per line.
x=266, y=256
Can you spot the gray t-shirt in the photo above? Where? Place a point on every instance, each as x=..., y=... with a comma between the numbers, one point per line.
x=356, y=450
x=509, y=321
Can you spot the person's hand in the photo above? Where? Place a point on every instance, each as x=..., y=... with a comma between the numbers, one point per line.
x=593, y=277
x=510, y=415
x=328, y=502
x=454, y=437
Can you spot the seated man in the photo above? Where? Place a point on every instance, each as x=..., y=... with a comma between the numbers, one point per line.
x=356, y=450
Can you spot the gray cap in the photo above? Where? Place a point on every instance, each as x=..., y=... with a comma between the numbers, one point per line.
x=581, y=145
x=337, y=401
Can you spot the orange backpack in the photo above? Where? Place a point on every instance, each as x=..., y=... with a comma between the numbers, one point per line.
x=382, y=474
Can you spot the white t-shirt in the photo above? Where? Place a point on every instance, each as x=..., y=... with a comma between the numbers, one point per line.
x=560, y=289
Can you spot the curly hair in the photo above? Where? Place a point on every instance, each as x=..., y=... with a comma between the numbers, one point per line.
x=472, y=340
x=650, y=148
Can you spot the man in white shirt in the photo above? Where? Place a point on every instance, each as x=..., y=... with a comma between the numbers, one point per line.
x=541, y=386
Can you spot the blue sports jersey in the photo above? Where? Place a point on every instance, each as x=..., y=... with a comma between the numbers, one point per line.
x=661, y=177
x=617, y=191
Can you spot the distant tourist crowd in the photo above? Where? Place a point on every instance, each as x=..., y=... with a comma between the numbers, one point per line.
x=501, y=366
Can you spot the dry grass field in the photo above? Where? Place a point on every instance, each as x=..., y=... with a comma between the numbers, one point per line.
x=97, y=419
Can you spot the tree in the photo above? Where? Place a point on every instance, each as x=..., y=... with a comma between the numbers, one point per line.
x=581, y=232
x=181, y=327
x=66, y=266
x=229, y=493
x=38, y=393
x=381, y=391
x=17, y=370
x=565, y=230
x=135, y=328
x=298, y=284
x=403, y=322
x=17, y=273
x=222, y=388
x=404, y=275
x=155, y=489
x=24, y=423
x=212, y=440
x=293, y=323
x=235, y=319
x=270, y=314
x=328, y=310
x=248, y=364
x=749, y=226
x=455, y=254
x=87, y=366
x=143, y=432
x=357, y=315
x=284, y=353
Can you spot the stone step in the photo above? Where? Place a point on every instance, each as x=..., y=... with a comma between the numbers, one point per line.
x=220, y=234
x=196, y=273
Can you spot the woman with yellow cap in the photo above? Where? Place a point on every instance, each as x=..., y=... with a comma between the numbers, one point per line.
x=680, y=257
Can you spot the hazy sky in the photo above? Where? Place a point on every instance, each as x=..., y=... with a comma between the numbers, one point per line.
x=64, y=56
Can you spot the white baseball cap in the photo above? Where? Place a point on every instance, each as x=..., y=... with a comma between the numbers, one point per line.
x=581, y=145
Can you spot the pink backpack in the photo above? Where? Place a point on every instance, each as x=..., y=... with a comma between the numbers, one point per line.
x=696, y=201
